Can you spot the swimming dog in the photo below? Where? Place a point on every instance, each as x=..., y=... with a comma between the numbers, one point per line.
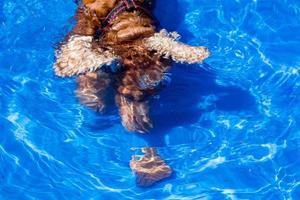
x=114, y=46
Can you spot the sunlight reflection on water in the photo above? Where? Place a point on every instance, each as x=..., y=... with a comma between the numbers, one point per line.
x=228, y=128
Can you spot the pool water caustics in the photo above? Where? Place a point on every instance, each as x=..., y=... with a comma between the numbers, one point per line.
x=229, y=128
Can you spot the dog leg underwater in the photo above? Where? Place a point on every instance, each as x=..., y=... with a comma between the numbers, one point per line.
x=92, y=90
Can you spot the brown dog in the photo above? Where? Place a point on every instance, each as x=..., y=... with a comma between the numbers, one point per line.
x=121, y=33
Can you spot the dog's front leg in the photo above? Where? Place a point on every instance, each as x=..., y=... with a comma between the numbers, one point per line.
x=92, y=89
x=134, y=88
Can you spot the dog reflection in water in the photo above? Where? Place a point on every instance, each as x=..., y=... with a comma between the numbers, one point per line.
x=114, y=46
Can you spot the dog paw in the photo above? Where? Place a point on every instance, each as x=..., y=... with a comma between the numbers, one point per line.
x=92, y=89
x=135, y=118
x=92, y=101
x=140, y=124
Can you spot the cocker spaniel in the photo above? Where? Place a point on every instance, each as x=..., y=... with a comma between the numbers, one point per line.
x=114, y=46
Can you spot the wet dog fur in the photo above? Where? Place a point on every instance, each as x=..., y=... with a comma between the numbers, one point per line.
x=130, y=41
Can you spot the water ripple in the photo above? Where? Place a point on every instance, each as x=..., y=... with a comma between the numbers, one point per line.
x=229, y=128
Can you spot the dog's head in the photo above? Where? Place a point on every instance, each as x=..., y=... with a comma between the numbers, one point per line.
x=103, y=7
x=100, y=7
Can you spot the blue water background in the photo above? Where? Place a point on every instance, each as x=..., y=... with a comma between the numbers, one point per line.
x=229, y=128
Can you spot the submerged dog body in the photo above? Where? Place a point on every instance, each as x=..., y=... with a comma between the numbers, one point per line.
x=131, y=42
x=139, y=59
x=142, y=70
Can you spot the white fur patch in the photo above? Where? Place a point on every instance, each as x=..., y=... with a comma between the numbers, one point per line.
x=167, y=45
x=77, y=57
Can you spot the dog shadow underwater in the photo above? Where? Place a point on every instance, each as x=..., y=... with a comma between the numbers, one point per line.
x=179, y=102
x=192, y=92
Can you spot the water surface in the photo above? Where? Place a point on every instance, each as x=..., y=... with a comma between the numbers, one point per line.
x=229, y=128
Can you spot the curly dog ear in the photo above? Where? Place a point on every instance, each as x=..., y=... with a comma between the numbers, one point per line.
x=76, y=56
x=167, y=45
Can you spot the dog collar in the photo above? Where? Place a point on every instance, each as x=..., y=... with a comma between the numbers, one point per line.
x=124, y=5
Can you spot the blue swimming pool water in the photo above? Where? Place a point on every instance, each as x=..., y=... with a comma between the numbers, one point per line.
x=229, y=128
